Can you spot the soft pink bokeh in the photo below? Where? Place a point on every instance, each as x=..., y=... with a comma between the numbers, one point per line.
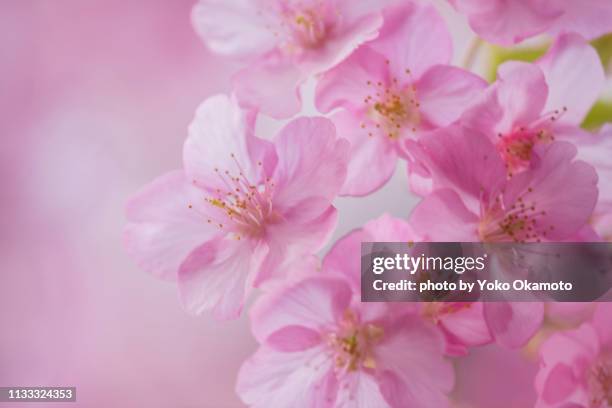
x=96, y=98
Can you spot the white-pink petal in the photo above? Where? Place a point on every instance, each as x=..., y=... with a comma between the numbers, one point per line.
x=574, y=75
x=162, y=230
x=312, y=165
x=234, y=27
x=217, y=276
x=221, y=139
x=315, y=303
x=302, y=379
x=444, y=92
x=415, y=37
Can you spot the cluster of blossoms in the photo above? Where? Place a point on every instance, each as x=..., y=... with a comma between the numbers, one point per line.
x=500, y=162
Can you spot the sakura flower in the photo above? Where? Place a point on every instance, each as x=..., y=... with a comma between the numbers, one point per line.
x=322, y=348
x=241, y=209
x=462, y=324
x=508, y=22
x=576, y=365
x=393, y=88
x=285, y=41
x=474, y=200
x=535, y=104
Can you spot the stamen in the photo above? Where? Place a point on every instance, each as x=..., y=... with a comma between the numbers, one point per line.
x=351, y=345
x=240, y=206
x=392, y=108
x=519, y=223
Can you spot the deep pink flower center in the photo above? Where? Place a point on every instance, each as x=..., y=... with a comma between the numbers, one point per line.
x=391, y=109
x=241, y=207
x=600, y=383
x=352, y=343
x=516, y=147
x=521, y=222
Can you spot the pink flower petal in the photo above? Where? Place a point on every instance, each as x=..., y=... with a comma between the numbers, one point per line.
x=413, y=37
x=522, y=92
x=312, y=164
x=560, y=384
x=445, y=91
x=285, y=380
x=373, y=159
x=468, y=325
x=486, y=114
x=589, y=18
x=602, y=321
x=293, y=338
x=564, y=192
x=221, y=137
x=271, y=86
x=574, y=75
x=413, y=355
x=360, y=390
x=596, y=150
x=465, y=161
x=508, y=22
x=315, y=303
x=513, y=323
x=442, y=216
x=236, y=27
x=216, y=276
x=573, y=350
x=346, y=85
x=353, y=31
x=162, y=230
x=290, y=242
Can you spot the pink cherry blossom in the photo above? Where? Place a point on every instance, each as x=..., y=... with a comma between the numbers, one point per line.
x=576, y=365
x=463, y=324
x=474, y=200
x=508, y=22
x=285, y=41
x=392, y=88
x=242, y=208
x=322, y=348
x=534, y=104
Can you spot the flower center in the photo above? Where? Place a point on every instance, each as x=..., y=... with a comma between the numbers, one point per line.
x=519, y=223
x=304, y=28
x=391, y=109
x=352, y=343
x=600, y=383
x=239, y=206
x=308, y=29
x=516, y=147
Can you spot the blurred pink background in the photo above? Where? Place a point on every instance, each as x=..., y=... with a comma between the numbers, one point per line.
x=96, y=99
